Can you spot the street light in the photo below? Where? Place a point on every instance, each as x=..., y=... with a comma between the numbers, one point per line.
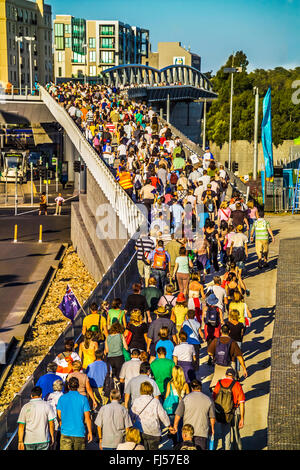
x=84, y=46
x=231, y=70
x=255, y=149
x=19, y=39
x=30, y=39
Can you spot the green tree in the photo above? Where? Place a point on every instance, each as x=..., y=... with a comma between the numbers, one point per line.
x=285, y=114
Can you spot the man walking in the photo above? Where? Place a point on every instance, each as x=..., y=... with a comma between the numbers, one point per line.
x=73, y=412
x=198, y=410
x=229, y=393
x=36, y=423
x=112, y=422
x=161, y=370
x=262, y=230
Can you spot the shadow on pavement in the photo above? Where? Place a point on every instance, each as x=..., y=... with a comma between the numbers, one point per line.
x=257, y=441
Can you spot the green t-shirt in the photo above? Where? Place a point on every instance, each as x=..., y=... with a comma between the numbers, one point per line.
x=115, y=314
x=178, y=163
x=162, y=373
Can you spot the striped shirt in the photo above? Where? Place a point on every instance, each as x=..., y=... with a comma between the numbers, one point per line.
x=145, y=245
x=261, y=229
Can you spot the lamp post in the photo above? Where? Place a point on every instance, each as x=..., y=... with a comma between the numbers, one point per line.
x=231, y=70
x=255, y=148
x=30, y=39
x=84, y=46
x=19, y=39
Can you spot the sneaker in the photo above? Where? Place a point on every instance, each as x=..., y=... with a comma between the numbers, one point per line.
x=260, y=264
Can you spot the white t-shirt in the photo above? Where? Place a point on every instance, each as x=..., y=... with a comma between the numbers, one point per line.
x=239, y=240
x=220, y=293
x=184, y=352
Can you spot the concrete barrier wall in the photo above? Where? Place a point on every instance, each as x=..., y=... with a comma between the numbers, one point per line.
x=98, y=240
x=242, y=152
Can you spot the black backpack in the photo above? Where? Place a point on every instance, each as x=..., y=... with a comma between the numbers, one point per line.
x=169, y=307
x=212, y=316
x=222, y=353
x=109, y=383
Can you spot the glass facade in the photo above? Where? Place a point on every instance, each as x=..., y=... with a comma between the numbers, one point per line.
x=107, y=57
x=78, y=35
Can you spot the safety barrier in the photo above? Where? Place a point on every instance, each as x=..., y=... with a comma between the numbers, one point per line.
x=127, y=211
x=116, y=283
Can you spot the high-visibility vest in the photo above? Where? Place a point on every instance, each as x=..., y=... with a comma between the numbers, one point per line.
x=125, y=180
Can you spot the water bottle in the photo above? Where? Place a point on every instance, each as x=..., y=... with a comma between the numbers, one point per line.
x=211, y=442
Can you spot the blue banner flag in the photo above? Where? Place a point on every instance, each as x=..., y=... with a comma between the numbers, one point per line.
x=69, y=305
x=266, y=136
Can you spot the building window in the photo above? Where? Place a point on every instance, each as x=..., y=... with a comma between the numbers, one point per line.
x=107, y=57
x=67, y=29
x=59, y=35
x=92, y=71
x=59, y=57
x=106, y=30
x=67, y=42
x=92, y=56
x=107, y=43
x=92, y=43
x=59, y=71
x=78, y=58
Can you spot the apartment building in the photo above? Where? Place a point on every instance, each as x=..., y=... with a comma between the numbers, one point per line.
x=172, y=53
x=86, y=47
x=25, y=43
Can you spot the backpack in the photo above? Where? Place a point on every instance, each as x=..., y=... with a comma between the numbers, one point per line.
x=224, y=404
x=138, y=185
x=222, y=353
x=173, y=178
x=212, y=316
x=210, y=205
x=159, y=260
x=109, y=383
x=169, y=307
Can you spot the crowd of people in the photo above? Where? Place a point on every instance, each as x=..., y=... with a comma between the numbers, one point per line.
x=137, y=371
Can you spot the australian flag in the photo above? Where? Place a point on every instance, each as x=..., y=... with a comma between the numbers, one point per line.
x=69, y=305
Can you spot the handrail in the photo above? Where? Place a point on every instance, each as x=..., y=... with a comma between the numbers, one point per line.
x=115, y=194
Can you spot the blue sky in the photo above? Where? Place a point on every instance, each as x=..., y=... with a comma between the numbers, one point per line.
x=268, y=31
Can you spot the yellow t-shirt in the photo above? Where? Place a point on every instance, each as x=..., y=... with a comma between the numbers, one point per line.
x=240, y=307
x=93, y=319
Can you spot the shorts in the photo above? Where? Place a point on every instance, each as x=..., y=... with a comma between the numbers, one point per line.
x=261, y=245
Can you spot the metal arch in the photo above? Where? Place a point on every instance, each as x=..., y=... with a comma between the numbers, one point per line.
x=130, y=74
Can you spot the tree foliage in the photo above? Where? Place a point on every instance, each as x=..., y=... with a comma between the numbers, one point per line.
x=285, y=114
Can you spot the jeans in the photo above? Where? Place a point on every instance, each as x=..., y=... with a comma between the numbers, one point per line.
x=40, y=446
x=150, y=442
x=160, y=277
x=201, y=442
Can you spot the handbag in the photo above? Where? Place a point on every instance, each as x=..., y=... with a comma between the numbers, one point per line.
x=171, y=402
x=109, y=383
x=128, y=336
x=126, y=355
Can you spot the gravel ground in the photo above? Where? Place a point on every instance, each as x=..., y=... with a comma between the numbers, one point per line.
x=49, y=323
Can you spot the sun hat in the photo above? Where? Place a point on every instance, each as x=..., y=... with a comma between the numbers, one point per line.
x=160, y=311
x=181, y=297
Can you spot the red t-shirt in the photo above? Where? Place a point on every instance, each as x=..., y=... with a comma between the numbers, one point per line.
x=237, y=391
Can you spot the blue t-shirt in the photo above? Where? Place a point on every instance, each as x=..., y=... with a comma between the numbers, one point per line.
x=191, y=328
x=96, y=373
x=46, y=383
x=73, y=406
x=168, y=345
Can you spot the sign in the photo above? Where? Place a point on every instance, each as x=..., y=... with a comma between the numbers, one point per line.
x=179, y=60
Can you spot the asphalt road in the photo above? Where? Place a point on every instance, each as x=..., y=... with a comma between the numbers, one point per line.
x=23, y=265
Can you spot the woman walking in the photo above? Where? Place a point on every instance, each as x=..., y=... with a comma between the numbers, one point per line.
x=114, y=344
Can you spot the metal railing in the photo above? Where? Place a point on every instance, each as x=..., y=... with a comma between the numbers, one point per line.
x=126, y=210
x=15, y=93
x=116, y=283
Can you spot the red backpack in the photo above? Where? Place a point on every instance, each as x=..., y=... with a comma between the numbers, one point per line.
x=159, y=260
x=173, y=178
